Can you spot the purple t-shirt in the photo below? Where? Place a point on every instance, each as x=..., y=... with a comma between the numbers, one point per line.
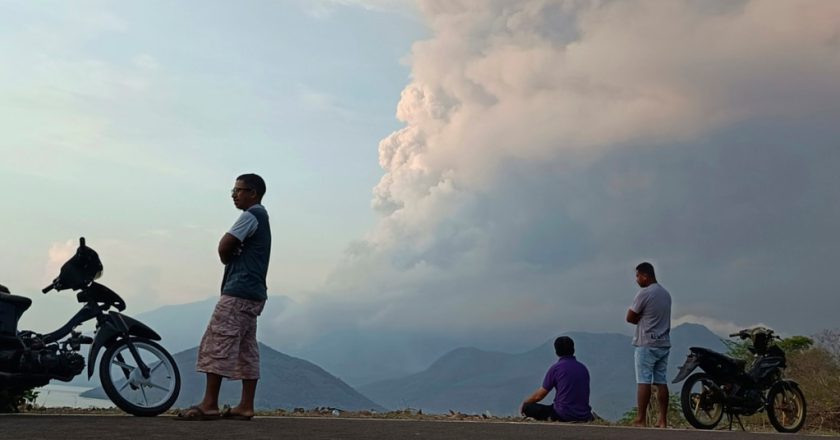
x=570, y=379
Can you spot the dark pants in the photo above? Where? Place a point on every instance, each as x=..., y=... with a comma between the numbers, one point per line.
x=540, y=412
x=546, y=412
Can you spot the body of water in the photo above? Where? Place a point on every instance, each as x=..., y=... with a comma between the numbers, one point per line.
x=59, y=396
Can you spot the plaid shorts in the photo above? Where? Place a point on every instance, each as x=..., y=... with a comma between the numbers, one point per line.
x=229, y=346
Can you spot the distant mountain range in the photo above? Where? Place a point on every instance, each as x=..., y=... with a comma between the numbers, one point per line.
x=286, y=382
x=357, y=357
x=473, y=380
x=363, y=357
x=399, y=370
x=182, y=325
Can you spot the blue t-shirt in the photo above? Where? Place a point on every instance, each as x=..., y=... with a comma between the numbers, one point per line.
x=570, y=380
x=245, y=273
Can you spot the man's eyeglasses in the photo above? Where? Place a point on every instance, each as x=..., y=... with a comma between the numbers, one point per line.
x=236, y=191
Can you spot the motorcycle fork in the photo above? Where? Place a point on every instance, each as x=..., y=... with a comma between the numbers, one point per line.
x=144, y=369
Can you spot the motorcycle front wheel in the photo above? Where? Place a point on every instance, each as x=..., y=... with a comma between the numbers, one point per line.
x=125, y=385
x=786, y=407
x=701, y=401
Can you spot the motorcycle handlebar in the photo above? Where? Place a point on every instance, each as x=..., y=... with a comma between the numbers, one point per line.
x=743, y=334
x=48, y=288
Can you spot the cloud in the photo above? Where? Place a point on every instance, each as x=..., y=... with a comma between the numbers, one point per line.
x=73, y=105
x=548, y=147
x=721, y=328
x=323, y=103
x=57, y=255
x=146, y=61
x=135, y=271
x=62, y=102
x=323, y=9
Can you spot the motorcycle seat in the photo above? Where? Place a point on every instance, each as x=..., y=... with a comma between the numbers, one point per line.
x=21, y=303
x=739, y=363
x=11, y=307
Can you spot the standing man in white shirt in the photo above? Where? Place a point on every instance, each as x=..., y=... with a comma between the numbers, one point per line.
x=651, y=313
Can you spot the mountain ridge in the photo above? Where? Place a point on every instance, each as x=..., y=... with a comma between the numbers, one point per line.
x=473, y=380
x=286, y=382
x=404, y=369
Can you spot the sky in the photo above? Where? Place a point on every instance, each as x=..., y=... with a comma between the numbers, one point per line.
x=492, y=169
x=128, y=124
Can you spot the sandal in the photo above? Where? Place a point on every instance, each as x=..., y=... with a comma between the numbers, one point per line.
x=196, y=414
x=229, y=415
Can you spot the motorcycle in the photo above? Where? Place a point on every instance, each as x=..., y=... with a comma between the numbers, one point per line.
x=729, y=386
x=137, y=374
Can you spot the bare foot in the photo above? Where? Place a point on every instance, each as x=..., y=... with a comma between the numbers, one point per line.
x=662, y=425
x=639, y=424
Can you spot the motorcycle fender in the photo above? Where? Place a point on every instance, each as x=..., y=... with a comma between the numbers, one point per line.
x=114, y=325
x=691, y=362
x=789, y=383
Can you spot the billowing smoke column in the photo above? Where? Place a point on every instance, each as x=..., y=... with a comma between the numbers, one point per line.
x=549, y=146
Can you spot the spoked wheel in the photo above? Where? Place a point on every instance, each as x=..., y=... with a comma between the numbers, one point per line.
x=786, y=407
x=125, y=385
x=701, y=401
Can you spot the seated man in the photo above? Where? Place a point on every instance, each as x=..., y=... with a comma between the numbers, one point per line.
x=570, y=380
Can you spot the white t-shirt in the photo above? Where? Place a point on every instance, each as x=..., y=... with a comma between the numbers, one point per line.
x=653, y=303
x=245, y=226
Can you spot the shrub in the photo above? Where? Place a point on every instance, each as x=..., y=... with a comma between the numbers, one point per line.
x=675, y=417
x=12, y=401
x=814, y=363
x=817, y=371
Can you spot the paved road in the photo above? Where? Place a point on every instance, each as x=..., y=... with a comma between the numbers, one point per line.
x=36, y=427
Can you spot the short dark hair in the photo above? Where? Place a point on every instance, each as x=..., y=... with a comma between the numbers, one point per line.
x=254, y=182
x=647, y=269
x=564, y=346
